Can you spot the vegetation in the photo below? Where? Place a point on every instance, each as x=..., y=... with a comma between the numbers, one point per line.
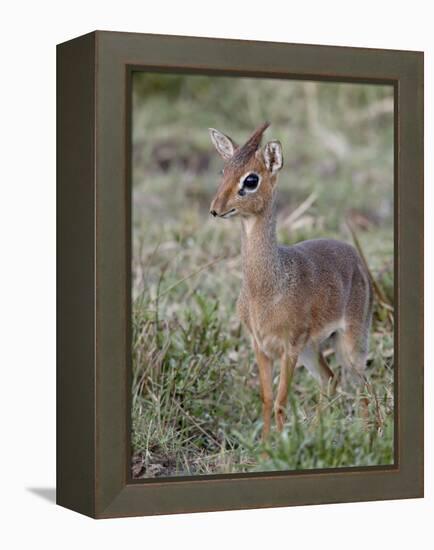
x=196, y=407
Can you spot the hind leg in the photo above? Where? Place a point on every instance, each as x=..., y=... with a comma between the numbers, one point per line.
x=352, y=351
x=351, y=346
x=314, y=361
x=352, y=342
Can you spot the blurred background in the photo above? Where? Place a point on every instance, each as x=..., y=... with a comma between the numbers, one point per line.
x=196, y=406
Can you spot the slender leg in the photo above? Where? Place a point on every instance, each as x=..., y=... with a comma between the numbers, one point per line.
x=352, y=351
x=328, y=379
x=314, y=361
x=266, y=381
x=288, y=363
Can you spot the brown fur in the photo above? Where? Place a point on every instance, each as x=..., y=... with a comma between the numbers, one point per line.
x=243, y=154
x=292, y=297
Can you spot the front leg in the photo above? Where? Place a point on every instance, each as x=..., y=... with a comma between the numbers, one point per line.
x=266, y=381
x=288, y=363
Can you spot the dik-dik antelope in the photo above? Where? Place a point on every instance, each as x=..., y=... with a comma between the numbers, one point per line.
x=292, y=297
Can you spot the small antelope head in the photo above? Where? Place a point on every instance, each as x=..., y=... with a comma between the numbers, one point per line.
x=248, y=176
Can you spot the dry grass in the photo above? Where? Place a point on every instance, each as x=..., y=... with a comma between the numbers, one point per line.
x=196, y=406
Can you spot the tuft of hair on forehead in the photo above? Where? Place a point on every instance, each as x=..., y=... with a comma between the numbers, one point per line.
x=245, y=152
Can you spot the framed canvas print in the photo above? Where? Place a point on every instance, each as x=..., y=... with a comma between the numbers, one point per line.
x=240, y=274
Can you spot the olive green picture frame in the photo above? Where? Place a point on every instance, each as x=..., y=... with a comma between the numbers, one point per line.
x=94, y=251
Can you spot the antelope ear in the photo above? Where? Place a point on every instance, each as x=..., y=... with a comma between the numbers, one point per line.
x=273, y=157
x=224, y=145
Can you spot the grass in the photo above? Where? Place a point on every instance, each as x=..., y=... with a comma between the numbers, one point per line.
x=196, y=406
x=195, y=397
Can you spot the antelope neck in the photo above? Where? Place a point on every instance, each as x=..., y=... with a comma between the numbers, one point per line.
x=260, y=258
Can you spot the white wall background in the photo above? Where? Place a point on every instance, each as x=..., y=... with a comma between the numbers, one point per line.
x=29, y=32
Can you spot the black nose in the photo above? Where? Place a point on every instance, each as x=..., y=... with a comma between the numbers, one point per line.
x=213, y=213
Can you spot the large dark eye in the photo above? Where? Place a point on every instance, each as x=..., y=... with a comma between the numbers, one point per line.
x=250, y=183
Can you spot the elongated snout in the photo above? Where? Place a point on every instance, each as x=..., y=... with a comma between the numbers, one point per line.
x=216, y=208
x=221, y=204
x=227, y=213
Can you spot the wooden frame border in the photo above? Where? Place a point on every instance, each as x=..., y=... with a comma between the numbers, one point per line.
x=93, y=273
